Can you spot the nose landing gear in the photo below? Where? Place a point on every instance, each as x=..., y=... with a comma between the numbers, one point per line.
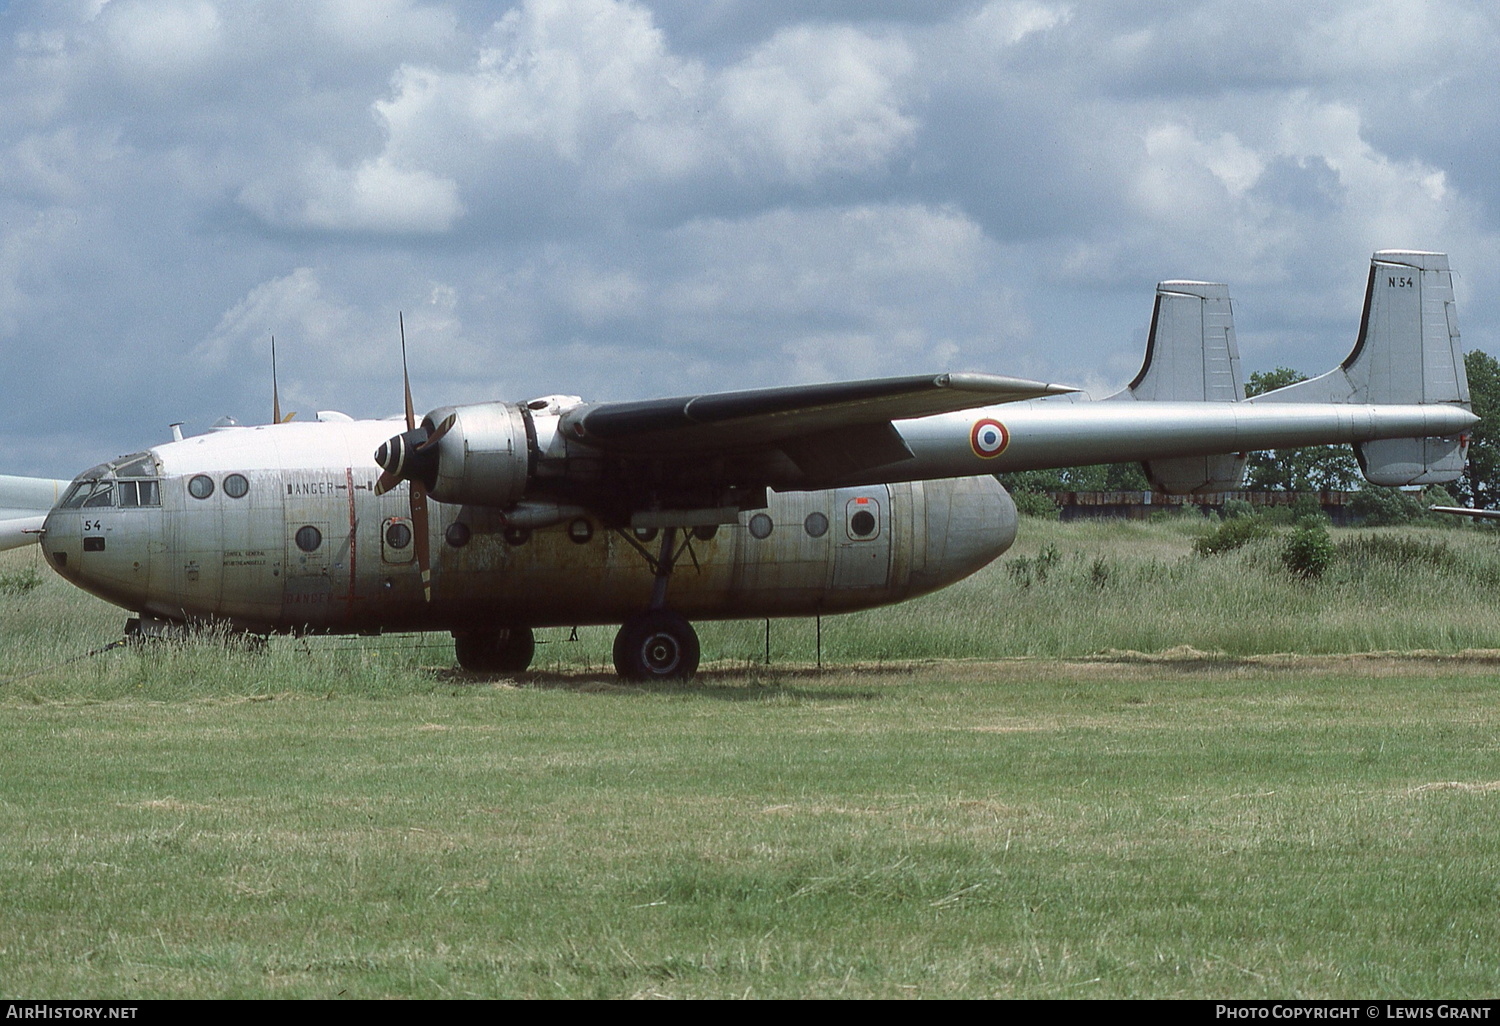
x=495, y=651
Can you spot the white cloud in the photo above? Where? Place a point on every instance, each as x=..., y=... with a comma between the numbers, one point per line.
x=160, y=40
x=571, y=105
x=816, y=99
x=377, y=196
x=292, y=306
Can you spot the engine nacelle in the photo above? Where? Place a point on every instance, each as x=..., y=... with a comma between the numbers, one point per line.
x=484, y=458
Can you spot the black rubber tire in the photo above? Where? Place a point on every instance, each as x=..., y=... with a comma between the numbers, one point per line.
x=656, y=646
x=500, y=651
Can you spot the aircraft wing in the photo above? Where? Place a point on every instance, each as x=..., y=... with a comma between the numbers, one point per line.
x=762, y=417
x=18, y=531
x=24, y=502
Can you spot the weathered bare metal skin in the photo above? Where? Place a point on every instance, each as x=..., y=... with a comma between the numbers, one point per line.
x=237, y=560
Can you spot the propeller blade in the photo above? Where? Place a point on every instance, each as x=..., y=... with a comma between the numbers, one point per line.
x=275, y=394
x=437, y=435
x=411, y=415
x=419, y=536
x=418, y=491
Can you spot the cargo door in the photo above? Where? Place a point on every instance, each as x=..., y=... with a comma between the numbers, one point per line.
x=862, y=545
x=318, y=542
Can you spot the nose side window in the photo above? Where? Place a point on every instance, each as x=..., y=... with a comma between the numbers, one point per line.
x=132, y=494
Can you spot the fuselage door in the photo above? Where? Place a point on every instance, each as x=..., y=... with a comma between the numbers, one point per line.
x=862, y=550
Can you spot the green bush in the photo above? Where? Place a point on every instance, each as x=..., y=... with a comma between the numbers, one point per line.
x=1308, y=553
x=1385, y=507
x=1230, y=535
x=1029, y=570
x=1234, y=509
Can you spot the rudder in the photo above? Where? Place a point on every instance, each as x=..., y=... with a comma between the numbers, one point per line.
x=1408, y=353
x=1191, y=356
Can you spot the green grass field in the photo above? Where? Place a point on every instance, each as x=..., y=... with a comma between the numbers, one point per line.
x=1003, y=798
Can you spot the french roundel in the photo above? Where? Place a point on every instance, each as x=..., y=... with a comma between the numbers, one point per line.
x=989, y=438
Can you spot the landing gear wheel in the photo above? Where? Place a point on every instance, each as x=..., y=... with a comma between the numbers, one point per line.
x=502, y=651
x=656, y=646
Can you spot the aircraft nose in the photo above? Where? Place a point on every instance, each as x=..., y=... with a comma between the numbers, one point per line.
x=62, y=541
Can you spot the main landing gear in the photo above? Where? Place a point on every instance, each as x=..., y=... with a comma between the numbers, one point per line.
x=658, y=644
x=495, y=651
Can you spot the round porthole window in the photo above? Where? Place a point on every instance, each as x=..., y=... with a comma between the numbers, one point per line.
x=862, y=524
x=705, y=532
x=816, y=525
x=458, y=534
x=201, y=486
x=235, y=486
x=308, y=538
x=581, y=530
x=645, y=534
x=517, y=535
x=397, y=535
x=760, y=526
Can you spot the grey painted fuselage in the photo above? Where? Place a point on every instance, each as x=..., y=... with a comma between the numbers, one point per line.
x=245, y=559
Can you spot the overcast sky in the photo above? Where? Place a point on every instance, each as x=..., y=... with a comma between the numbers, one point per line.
x=626, y=198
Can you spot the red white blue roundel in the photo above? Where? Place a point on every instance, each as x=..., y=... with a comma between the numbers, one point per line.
x=989, y=438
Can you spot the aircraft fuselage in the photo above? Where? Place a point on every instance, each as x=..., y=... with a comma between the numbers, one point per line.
x=279, y=528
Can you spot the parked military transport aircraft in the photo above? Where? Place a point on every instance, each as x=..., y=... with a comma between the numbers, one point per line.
x=491, y=519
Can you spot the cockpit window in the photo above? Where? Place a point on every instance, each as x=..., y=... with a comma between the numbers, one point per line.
x=95, y=489
x=102, y=495
x=76, y=495
x=139, y=493
x=136, y=466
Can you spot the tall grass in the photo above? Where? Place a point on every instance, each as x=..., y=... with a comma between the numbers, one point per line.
x=1065, y=590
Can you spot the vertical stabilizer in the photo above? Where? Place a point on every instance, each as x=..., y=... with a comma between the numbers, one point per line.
x=1407, y=353
x=1191, y=356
